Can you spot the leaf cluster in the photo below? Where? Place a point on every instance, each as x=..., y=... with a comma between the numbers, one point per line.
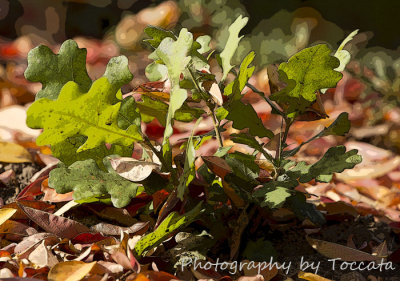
x=92, y=130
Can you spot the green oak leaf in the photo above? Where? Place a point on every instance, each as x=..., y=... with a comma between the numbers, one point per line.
x=174, y=54
x=93, y=114
x=243, y=115
x=87, y=181
x=246, y=139
x=53, y=71
x=335, y=160
x=275, y=193
x=66, y=151
x=305, y=73
x=170, y=224
x=232, y=44
x=129, y=114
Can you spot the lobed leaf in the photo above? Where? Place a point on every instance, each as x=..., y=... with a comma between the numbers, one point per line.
x=305, y=73
x=275, y=193
x=174, y=55
x=88, y=181
x=94, y=115
x=54, y=71
x=232, y=44
x=335, y=160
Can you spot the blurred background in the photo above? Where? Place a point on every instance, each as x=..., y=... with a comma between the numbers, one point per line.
x=275, y=31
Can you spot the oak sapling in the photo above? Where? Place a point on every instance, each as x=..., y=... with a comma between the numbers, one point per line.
x=80, y=118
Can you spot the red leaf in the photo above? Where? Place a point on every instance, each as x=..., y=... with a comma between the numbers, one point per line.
x=87, y=238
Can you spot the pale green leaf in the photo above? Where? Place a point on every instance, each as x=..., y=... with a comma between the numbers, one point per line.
x=232, y=44
x=174, y=54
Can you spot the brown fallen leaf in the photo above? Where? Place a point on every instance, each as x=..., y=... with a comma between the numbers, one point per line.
x=14, y=153
x=20, y=215
x=60, y=226
x=70, y=271
x=333, y=251
x=15, y=231
x=119, y=215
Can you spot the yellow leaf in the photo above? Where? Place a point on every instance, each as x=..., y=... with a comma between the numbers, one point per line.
x=5, y=214
x=13, y=153
x=70, y=271
x=311, y=276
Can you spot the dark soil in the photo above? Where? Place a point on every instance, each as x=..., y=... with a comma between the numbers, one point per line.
x=23, y=174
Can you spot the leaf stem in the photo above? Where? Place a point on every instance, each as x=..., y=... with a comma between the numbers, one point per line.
x=270, y=102
x=212, y=111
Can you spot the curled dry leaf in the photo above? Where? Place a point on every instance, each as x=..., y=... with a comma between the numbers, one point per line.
x=132, y=169
x=62, y=227
x=70, y=271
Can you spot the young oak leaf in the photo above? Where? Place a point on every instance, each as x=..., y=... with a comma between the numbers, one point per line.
x=232, y=44
x=53, y=71
x=92, y=114
x=174, y=55
x=343, y=55
x=88, y=181
x=306, y=72
x=335, y=160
